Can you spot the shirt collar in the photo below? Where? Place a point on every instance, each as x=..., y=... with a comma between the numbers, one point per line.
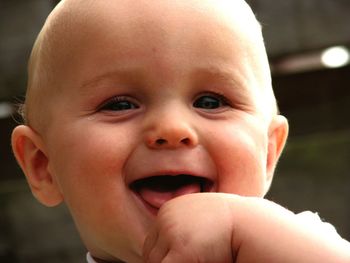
x=89, y=258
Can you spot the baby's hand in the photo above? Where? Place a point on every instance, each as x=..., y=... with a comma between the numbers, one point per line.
x=225, y=228
x=192, y=228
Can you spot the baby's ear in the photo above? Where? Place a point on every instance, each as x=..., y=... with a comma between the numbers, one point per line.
x=278, y=133
x=29, y=151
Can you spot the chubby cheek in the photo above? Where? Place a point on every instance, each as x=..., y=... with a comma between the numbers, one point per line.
x=88, y=163
x=92, y=157
x=240, y=156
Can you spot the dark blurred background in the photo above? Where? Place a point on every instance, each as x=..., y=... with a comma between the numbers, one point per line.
x=312, y=87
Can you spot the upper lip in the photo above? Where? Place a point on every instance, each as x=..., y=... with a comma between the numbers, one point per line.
x=204, y=175
x=144, y=164
x=172, y=184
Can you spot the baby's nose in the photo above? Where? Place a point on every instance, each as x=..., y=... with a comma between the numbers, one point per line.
x=168, y=134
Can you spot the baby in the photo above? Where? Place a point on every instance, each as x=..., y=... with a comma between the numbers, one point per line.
x=156, y=123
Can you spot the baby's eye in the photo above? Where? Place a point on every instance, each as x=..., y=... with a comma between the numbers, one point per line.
x=119, y=104
x=210, y=102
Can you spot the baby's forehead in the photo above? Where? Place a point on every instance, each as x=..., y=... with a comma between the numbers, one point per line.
x=75, y=24
x=80, y=13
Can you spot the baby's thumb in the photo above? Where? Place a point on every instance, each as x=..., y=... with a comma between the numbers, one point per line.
x=149, y=243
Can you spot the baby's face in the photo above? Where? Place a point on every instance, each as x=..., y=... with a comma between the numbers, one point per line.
x=153, y=102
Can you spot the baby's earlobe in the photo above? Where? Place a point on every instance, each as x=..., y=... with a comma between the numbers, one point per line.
x=277, y=137
x=27, y=147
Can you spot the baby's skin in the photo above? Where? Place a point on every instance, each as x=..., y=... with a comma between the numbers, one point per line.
x=214, y=227
x=156, y=124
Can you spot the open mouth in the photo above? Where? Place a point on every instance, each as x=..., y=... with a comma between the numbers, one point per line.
x=154, y=191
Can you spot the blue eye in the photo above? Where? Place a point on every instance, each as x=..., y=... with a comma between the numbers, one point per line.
x=119, y=104
x=210, y=102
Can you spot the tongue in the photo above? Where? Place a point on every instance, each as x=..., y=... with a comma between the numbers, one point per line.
x=157, y=197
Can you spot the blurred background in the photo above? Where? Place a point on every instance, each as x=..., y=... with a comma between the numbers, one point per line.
x=307, y=43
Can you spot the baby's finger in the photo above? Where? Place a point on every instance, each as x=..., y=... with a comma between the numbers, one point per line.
x=174, y=256
x=157, y=255
x=159, y=251
x=149, y=243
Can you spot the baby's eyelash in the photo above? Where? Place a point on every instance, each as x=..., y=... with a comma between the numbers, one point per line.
x=218, y=95
x=222, y=97
x=211, y=102
x=118, y=98
x=118, y=103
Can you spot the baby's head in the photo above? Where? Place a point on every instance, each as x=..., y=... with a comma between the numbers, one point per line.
x=132, y=103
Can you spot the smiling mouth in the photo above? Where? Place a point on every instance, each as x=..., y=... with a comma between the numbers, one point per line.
x=156, y=190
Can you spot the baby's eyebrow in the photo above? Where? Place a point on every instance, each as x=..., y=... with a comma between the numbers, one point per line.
x=136, y=74
x=235, y=83
x=229, y=79
x=222, y=74
x=131, y=75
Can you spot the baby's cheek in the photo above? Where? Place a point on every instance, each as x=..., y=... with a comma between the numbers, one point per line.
x=240, y=166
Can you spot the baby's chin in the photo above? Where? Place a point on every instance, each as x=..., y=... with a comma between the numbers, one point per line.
x=113, y=255
x=123, y=243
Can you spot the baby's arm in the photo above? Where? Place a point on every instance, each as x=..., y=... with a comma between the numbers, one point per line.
x=227, y=228
x=278, y=235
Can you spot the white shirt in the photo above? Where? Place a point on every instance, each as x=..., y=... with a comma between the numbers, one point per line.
x=89, y=258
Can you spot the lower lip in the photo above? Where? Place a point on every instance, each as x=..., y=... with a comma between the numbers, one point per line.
x=152, y=210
